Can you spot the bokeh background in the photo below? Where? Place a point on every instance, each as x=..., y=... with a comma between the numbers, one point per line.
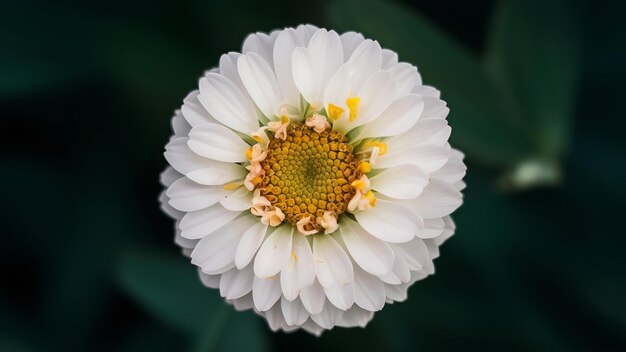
x=536, y=91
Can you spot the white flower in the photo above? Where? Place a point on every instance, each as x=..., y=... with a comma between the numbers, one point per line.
x=311, y=178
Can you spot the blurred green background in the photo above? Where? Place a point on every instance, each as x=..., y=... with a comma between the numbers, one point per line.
x=536, y=91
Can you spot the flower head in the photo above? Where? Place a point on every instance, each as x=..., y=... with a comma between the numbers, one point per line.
x=311, y=178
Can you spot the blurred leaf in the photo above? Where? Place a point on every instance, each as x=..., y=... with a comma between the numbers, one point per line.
x=480, y=128
x=534, y=58
x=170, y=289
x=149, y=63
x=34, y=59
x=232, y=331
x=13, y=344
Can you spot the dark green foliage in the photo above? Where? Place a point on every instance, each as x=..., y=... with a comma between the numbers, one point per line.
x=87, y=90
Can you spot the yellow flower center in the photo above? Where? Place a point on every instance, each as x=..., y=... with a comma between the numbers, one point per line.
x=309, y=173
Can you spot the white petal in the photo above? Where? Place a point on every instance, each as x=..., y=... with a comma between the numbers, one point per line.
x=182, y=159
x=427, y=91
x=199, y=169
x=293, y=311
x=433, y=249
x=398, y=118
x=305, y=32
x=414, y=253
x=186, y=195
x=341, y=296
x=197, y=224
x=261, y=44
x=236, y=283
x=390, y=59
x=260, y=82
x=397, y=293
x=243, y=303
x=402, y=182
x=399, y=274
x=311, y=327
x=249, y=244
x=369, y=291
x=239, y=199
x=334, y=271
x=300, y=270
x=401, y=269
x=429, y=158
x=274, y=253
x=447, y=232
x=168, y=209
x=274, y=317
x=350, y=41
x=265, y=292
x=332, y=264
x=373, y=255
x=454, y=170
x=355, y=316
x=218, y=250
x=168, y=176
x=179, y=125
x=406, y=78
x=390, y=221
x=425, y=132
x=227, y=103
x=376, y=95
x=437, y=200
x=352, y=75
x=390, y=278
x=210, y=281
x=217, y=142
x=435, y=108
x=182, y=241
x=217, y=173
x=432, y=228
x=286, y=42
x=313, y=298
x=228, y=69
x=364, y=63
x=328, y=317
x=314, y=66
x=194, y=112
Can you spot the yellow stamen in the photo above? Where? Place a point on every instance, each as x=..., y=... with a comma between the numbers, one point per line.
x=368, y=144
x=305, y=196
x=232, y=186
x=365, y=167
x=382, y=148
x=258, y=138
x=358, y=184
x=284, y=119
x=353, y=104
x=257, y=180
x=249, y=153
x=370, y=197
x=334, y=112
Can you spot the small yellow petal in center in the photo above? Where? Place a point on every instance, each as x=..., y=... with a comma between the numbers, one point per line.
x=334, y=112
x=382, y=148
x=365, y=167
x=232, y=186
x=353, y=104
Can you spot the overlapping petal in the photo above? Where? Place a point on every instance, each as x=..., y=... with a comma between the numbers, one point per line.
x=397, y=126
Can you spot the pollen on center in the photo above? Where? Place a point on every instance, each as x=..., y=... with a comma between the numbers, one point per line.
x=309, y=173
